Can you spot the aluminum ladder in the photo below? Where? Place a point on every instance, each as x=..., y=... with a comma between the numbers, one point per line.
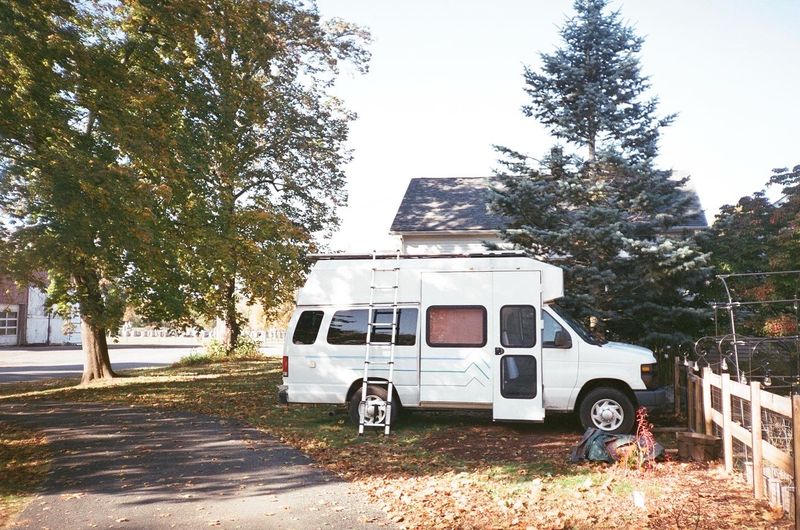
x=375, y=304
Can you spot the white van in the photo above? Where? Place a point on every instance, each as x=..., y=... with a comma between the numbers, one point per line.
x=475, y=331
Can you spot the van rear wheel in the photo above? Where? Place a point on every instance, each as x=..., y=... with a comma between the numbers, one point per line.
x=607, y=409
x=374, y=406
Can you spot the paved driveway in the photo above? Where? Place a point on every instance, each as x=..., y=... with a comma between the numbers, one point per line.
x=45, y=362
x=136, y=468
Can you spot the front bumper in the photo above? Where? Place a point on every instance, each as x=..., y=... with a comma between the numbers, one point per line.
x=283, y=394
x=652, y=399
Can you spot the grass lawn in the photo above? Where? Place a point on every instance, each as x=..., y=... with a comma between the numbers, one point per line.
x=442, y=470
x=23, y=466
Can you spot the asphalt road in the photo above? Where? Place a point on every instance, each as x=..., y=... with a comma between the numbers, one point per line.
x=137, y=468
x=46, y=362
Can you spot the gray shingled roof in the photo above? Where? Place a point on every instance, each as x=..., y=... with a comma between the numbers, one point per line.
x=443, y=204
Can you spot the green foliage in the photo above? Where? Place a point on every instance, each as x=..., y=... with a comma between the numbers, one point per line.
x=263, y=142
x=591, y=89
x=85, y=155
x=759, y=235
x=167, y=156
x=612, y=221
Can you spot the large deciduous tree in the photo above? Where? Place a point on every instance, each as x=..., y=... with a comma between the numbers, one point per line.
x=263, y=144
x=87, y=174
x=167, y=155
x=604, y=212
x=760, y=235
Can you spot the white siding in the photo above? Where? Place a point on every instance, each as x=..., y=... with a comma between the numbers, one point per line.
x=449, y=244
x=44, y=328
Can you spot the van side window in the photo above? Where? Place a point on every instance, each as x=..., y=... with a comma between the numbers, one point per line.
x=550, y=328
x=305, y=332
x=456, y=326
x=350, y=327
x=518, y=326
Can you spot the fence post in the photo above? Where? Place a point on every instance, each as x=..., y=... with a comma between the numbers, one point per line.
x=755, y=427
x=690, y=412
x=709, y=428
x=699, y=412
x=677, y=385
x=727, y=437
x=796, y=456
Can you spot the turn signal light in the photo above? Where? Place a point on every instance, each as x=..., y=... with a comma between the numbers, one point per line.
x=650, y=375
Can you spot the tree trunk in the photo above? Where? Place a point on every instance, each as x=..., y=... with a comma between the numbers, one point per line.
x=95, y=347
x=232, y=328
x=592, y=150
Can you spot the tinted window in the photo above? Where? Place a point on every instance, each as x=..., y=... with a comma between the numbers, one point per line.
x=518, y=376
x=518, y=326
x=350, y=327
x=456, y=326
x=307, y=327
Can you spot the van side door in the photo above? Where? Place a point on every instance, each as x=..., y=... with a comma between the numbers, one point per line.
x=517, y=361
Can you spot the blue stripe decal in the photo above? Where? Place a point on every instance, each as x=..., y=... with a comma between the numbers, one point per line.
x=457, y=359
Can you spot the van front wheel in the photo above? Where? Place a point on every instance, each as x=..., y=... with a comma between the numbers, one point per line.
x=607, y=409
x=374, y=406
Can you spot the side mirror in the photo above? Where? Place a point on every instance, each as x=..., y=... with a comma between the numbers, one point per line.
x=562, y=340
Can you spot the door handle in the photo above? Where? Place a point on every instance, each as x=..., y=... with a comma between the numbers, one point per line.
x=499, y=351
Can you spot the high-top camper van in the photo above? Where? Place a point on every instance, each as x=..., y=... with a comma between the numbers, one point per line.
x=478, y=331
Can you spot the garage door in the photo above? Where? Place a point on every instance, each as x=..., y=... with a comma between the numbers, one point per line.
x=9, y=325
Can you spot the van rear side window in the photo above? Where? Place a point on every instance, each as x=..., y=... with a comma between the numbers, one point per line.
x=307, y=327
x=350, y=327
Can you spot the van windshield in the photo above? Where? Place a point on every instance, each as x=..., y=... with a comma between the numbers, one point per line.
x=577, y=326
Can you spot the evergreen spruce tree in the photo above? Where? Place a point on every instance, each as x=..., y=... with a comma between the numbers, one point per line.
x=604, y=212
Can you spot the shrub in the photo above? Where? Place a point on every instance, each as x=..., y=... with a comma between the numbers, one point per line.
x=641, y=452
x=246, y=349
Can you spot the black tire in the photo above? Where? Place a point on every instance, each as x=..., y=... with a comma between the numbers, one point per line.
x=378, y=394
x=607, y=409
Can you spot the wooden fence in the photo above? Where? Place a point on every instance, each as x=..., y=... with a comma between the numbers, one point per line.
x=766, y=425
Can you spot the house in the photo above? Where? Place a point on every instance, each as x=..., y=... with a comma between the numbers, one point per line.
x=451, y=215
x=26, y=320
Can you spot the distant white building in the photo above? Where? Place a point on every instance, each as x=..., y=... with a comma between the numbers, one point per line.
x=451, y=216
x=25, y=320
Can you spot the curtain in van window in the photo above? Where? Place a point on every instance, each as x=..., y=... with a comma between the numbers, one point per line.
x=457, y=326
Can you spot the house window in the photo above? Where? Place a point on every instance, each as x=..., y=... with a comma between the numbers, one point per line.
x=456, y=326
x=8, y=322
x=350, y=327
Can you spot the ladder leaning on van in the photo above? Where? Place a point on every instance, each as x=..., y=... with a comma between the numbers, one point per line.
x=373, y=411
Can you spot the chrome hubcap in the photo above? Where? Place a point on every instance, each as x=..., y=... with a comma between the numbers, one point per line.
x=607, y=414
x=373, y=410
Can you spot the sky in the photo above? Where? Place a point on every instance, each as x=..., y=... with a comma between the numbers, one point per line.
x=445, y=85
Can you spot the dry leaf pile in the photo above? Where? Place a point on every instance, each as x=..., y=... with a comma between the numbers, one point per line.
x=449, y=470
